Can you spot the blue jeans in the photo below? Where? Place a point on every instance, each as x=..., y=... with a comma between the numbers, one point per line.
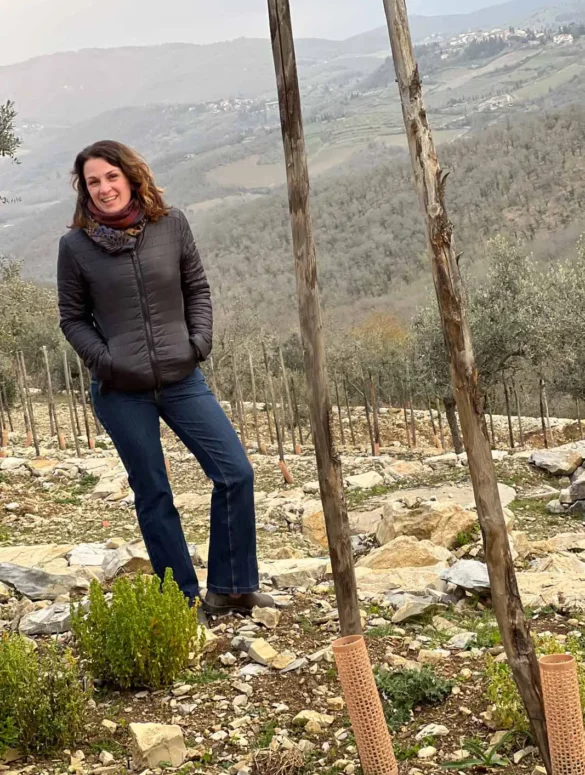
x=190, y=409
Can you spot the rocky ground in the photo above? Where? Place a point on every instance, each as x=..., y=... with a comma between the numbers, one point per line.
x=266, y=697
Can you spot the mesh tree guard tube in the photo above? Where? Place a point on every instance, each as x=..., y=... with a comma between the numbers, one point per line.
x=564, y=716
x=364, y=706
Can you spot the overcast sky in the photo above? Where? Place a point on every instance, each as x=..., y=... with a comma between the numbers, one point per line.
x=33, y=27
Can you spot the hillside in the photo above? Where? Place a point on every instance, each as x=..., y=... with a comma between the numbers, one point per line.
x=525, y=178
x=52, y=89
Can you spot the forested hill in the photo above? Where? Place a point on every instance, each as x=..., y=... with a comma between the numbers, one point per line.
x=525, y=178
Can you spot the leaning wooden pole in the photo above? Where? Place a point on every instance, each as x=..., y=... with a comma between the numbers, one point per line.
x=7, y=407
x=328, y=461
x=90, y=439
x=69, y=391
x=289, y=403
x=254, y=407
x=52, y=404
x=347, y=406
x=430, y=184
x=293, y=393
x=341, y=430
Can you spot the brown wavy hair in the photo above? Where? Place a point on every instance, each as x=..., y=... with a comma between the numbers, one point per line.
x=132, y=165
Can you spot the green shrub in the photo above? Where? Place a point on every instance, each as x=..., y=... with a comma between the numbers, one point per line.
x=143, y=637
x=403, y=690
x=42, y=700
x=503, y=693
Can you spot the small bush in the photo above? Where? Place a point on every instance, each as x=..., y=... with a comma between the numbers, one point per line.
x=487, y=632
x=42, y=700
x=503, y=693
x=403, y=690
x=143, y=637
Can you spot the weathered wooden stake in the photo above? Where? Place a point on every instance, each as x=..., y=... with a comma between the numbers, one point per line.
x=542, y=417
x=341, y=430
x=74, y=399
x=239, y=403
x=297, y=412
x=254, y=407
x=7, y=407
x=369, y=420
x=518, y=412
x=53, y=421
x=267, y=409
x=406, y=423
x=291, y=414
x=213, y=378
x=23, y=403
x=579, y=422
x=430, y=184
x=375, y=415
x=547, y=413
x=90, y=439
x=412, y=421
x=347, y=406
x=29, y=403
x=489, y=412
x=273, y=402
x=68, y=390
x=440, y=420
x=328, y=462
x=508, y=410
x=52, y=404
x=98, y=426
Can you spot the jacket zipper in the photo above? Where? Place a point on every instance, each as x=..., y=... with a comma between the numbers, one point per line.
x=146, y=315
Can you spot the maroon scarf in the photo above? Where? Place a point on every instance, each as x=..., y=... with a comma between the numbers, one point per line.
x=129, y=216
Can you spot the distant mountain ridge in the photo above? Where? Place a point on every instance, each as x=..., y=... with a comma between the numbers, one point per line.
x=82, y=84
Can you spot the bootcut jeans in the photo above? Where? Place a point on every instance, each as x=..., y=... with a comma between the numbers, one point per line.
x=190, y=409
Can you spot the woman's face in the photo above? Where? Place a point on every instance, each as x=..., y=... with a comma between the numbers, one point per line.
x=108, y=187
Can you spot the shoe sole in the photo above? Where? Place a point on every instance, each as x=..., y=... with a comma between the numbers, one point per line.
x=215, y=610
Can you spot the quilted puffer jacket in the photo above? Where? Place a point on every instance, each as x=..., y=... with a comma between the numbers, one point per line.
x=139, y=319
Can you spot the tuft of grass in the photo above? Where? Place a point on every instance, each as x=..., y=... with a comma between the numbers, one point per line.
x=207, y=675
x=265, y=735
x=383, y=631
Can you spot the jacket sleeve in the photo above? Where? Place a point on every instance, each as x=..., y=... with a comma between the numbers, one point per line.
x=196, y=293
x=75, y=312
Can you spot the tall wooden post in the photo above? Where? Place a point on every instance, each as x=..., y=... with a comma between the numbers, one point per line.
x=440, y=420
x=328, y=462
x=254, y=407
x=69, y=390
x=291, y=414
x=579, y=421
x=430, y=183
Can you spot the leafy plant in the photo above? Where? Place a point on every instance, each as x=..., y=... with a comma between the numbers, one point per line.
x=42, y=702
x=143, y=637
x=403, y=690
x=503, y=693
x=488, y=759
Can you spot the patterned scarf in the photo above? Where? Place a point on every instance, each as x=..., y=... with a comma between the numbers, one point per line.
x=117, y=232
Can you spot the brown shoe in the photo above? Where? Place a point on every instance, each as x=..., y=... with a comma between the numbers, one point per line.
x=225, y=604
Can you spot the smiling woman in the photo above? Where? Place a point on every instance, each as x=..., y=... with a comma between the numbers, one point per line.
x=135, y=305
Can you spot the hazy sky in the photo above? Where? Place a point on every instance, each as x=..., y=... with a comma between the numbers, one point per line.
x=33, y=27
